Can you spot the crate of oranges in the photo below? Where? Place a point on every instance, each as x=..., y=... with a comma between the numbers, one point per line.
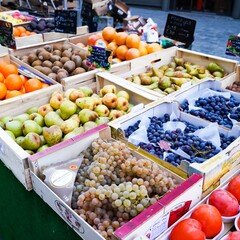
x=16, y=88
x=24, y=38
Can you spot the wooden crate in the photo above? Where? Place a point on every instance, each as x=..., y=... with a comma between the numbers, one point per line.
x=28, y=40
x=164, y=57
x=228, y=81
x=50, y=36
x=187, y=194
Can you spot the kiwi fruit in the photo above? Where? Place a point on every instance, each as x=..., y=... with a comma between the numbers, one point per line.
x=53, y=76
x=67, y=54
x=48, y=48
x=39, y=50
x=57, y=47
x=37, y=63
x=69, y=66
x=83, y=54
x=46, y=71
x=78, y=70
x=55, y=69
x=67, y=46
x=44, y=55
x=77, y=59
x=57, y=52
x=47, y=63
x=61, y=75
x=39, y=68
x=58, y=63
x=54, y=58
x=32, y=57
x=64, y=59
x=63, y=70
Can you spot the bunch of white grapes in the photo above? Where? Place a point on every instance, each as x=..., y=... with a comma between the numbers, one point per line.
x=113, y=186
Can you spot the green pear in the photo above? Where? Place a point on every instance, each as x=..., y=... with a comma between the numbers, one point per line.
x=30, y=152
x=179, y=81
x=172, y=65
x=179, y=61
x=102, y=120
x=155, y=79
x=157, y=72
x=218, y=74
x=214, y=67
x=202, y=76
x=2, y=125
x=58, y=112
x=201, y=69
x=108, y=89
x=43, y=141
x=67, y=108
x=114, y=114
x=89, y=125
x=56, y=100
x=10, y=134
x=31, y=141
x=163, y=68
x=31, y=126
x=22, y=118
x=52, y=118
x=137, y=80
x=52, y=135
x=87, y=91
x=44, y=109
x=42, y=148
x=74, y=133
x=102, y=110
x=130, y=106
x=169, y=90
x=164, y=82
x=19, y=140
x=86, y=103
x=87, y=115
x=169, y=73
x=75, y=117
x=122, y=104
x=15, y=127
x=32, y=110
x=36, y=117
x=95, y=96
x=6, y=119
x=152, y=86
x=69, y=125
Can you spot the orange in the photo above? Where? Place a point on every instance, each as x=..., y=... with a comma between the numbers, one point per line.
x=33, y=84
x=21, y=29
x=132, y=53
x=13, y=82
x=24, y=79
x=27, y=33
x=11, y=94
x=3, y=91
x=153, y=47
x=113, y=47
x=121, y=52
x=1, y=77
x=22, y=90
x=109, y=33
x=8, y=69
x=143, y=51
x=44, y=85
x=16, y=32
x=32, y=33
x=133, y=41
x=23, y=34
x=143, y=44
x=120, y=38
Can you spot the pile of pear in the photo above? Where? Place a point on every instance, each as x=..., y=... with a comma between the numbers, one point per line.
x=169, y=78
x=65, y=116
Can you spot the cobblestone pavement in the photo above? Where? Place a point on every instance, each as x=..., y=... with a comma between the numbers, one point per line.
x=212, y=31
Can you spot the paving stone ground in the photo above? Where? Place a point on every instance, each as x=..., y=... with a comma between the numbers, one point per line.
x=212, y=31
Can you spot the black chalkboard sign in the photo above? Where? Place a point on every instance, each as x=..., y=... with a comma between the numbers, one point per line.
x=6, y=34
x=99, y=57
x=180, y=29
x=233, y=46
x=66, y=21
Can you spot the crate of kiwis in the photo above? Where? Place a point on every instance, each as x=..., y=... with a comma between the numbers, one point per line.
x=232, y=82
x=56, y=59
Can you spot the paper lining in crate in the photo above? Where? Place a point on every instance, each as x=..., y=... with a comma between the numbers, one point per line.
x=215, y=165
x=162, y=59
x=227, y=224
x=14, y=156
x=173, y=204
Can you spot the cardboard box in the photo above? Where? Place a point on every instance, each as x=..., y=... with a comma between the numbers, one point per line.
x=183, y=197
x=212, y=169
x=227, y=226
x=164, y=57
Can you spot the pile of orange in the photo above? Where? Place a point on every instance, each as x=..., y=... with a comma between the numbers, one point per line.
x=21, y=32
x=12, y=84
x=124, y=46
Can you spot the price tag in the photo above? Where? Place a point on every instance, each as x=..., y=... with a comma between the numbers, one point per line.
x=66, y=21
x=180, y=29
x=6, y=34
x=99, y=57
x=233, y=46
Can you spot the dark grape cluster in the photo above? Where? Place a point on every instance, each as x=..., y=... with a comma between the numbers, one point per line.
x=195, y=147
x=215, y=109
x=132, y=128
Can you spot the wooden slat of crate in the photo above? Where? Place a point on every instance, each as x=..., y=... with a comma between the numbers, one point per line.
x=28, y=40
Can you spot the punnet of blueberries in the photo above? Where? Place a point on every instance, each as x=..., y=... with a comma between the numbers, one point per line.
x=198, y=149
x=215, y=109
